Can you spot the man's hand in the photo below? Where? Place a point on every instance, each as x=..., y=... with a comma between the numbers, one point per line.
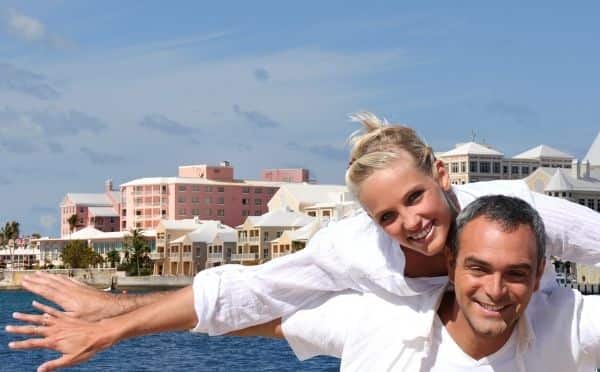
x=77, y=340
x=78, y=300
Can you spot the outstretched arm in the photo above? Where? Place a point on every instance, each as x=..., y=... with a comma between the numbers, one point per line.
x=83, y=301
x=78, y=340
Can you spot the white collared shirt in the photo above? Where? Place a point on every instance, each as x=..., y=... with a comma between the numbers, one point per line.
x=357, y=254
x=560, y=331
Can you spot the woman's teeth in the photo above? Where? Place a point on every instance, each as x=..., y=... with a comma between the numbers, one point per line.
x=423, y=233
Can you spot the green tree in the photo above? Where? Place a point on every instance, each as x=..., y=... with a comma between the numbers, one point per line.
x=72, y=221
x=113, y=257
x=11, y=230
x=76, y=254
x=136, y=248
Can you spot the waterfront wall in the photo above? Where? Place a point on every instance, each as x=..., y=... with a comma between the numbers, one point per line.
x=100, y=278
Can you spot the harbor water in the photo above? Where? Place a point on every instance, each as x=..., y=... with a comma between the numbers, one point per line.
x=177, y=351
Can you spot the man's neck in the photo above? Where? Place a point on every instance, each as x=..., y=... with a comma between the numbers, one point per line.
x=475, y=345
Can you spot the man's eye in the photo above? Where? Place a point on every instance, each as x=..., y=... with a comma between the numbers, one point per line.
x=477, y=270
x=517, y=275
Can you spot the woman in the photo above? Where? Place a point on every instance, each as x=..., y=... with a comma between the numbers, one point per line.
x=394, y=247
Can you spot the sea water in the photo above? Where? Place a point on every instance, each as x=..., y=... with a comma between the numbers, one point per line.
x=175, y=351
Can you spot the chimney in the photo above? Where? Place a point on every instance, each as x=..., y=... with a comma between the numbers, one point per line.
x=575, y=173
x=108, y=185
x=225, y=163
x=586, y=169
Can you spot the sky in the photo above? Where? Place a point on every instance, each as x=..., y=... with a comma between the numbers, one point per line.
x=97, y=90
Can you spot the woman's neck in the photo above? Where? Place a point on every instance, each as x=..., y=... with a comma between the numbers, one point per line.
x=419, y=265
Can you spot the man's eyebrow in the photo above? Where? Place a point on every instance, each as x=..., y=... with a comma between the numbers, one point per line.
x=476, y=261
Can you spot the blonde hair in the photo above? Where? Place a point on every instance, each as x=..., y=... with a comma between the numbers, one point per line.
x=378, y=145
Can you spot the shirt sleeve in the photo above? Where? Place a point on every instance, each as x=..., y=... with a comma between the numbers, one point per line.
x=233, y=297
x=321, y=327
x=571, y=229
x=589, y=327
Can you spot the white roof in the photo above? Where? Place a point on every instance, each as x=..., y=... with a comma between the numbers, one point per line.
x=562, y=180
x=281, y=217
x=86, y=233
x=91, y=200
x=196, y=180
x=543, y=151
x=471, y=148
x=103, y=211
x=184, y=224
x=307, y=193
x=593, y=154
x=209, y=230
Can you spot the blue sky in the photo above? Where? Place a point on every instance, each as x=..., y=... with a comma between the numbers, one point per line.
x=122, y=90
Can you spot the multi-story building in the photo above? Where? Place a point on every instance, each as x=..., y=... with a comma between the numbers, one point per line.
x=294, y=240
x=285, y=175
x=472, y=162
x=256, y=233
x=203, y=191
x=21, y=253
x=99, y=210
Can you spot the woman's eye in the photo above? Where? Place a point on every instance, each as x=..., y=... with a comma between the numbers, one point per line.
x=387, y=218
x=414, y=197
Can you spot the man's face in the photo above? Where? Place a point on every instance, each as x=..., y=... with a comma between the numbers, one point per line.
x=494, y=274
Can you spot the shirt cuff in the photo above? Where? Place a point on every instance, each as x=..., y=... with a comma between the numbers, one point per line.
x=206, y=293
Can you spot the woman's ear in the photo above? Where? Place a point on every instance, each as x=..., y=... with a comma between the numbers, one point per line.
x=441, y=175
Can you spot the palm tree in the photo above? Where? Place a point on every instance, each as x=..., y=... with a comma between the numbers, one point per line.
x=10, y=231
x=72, y=221
x=138, y=245
x=113, y=257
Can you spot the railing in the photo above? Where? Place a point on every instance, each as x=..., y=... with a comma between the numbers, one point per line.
x=244, y=257
x=157, y=255
x=215, y=256
x=186, y=256
x=174, y=255
x=242, y=239
x=280, y=254
x=253, y=238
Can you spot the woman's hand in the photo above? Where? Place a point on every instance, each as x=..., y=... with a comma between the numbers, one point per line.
x=76, y=339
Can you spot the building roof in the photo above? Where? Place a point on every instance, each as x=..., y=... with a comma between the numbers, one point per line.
x=103, y=211
x=471, y=148
x=209, y=230
x=89, y=199
x=281, y=217
x=184, y=224
x=307, y=193
x=562, y=180
x=197, y=180
x=543, y=151
x=593, y=154
x=85, y=233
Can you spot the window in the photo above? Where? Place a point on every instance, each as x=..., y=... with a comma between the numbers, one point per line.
x=124, y=212
x=208, y=212
x=181, y=211
x=472, y=166
x=312, y=213
x=265, y=236
x=181, y=188
x=504, y=169
x=524, y=170
x=581, y=201
x=591, y=203
x=514, y=169
x=484, y=167
x=220, y=212
x=164, y=212
x=195, y=187
x=81, y=210
x=123, y=224
x=208, y=188
x=245, y=190
x=496, y=167
x=195, y=212
x=245, y=201
x=112, y=220
x=257, y=201
x=257, y=212
x=220, y=200
x=208, y=200
x=257, y=190
x=564, y=194
x=272, y=191
x=220, y=189
x=138, y=213
x=181, y=199
x=245, y=212
x=164, y=189
x=195, y=199
x=454, y=167
x=463, y=166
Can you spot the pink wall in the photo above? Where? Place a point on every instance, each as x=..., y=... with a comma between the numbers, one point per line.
x=285, y=175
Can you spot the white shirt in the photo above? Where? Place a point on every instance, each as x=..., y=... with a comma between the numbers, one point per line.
x=355, y=253
x=560, y=331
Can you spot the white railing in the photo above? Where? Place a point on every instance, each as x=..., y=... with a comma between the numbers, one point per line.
x=279, y=254
x=173, y=255
x=186, y=256
x=157, y=255
x=253, y=239
x=244, y=257
x=215, y=256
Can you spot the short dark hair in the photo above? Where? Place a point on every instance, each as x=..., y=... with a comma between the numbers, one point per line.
x=508, y=212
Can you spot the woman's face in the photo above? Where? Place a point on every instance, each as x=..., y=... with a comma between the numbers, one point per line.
x=409, y=204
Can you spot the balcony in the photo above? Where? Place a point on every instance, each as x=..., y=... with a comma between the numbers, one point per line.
x=280, y=254
x=157, y=255
x=253, y=239
x=242, y=239
x=186, y=256
x=174, y=255
x=215, y=257
x=244, y=257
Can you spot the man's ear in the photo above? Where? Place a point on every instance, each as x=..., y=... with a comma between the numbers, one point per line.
x=538, y=275
x=450, y=263
x=441, y=175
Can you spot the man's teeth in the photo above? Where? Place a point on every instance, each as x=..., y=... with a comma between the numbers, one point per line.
x=491, y=307
x=423, y=233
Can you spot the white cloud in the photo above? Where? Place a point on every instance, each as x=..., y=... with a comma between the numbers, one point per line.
x=30, y=29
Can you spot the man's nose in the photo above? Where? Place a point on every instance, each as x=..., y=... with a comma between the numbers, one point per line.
x=495, y=287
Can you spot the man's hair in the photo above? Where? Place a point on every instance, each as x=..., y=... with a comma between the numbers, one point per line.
x=508, y=212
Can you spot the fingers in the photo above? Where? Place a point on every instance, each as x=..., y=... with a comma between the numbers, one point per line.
x=26, y=330
x=31, y=318
x=30, y=343
x=42, y=287
x=47, y=309
x=51, y=365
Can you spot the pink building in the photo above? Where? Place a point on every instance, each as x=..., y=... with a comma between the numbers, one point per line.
x=99, y=210
x=296, y=175
x=203, y=191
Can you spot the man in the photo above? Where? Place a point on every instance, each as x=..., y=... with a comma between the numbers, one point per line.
x=491, y=321
x=487, y=322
